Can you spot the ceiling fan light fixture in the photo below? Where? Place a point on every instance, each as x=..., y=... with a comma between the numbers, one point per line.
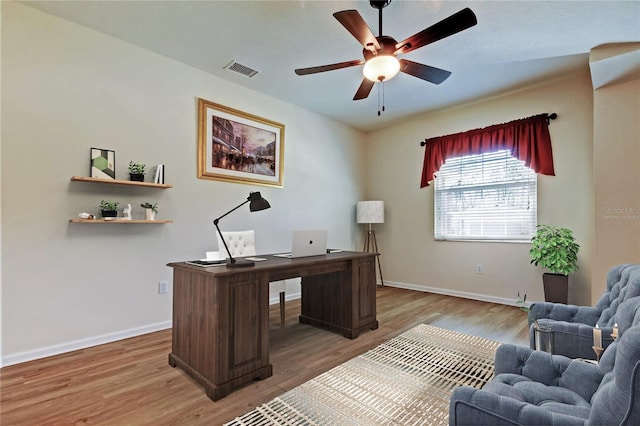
x=381, y=68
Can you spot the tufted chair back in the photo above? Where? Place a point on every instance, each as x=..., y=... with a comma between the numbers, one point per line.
x=628, y=314
x=617, y=400
x=623, y=283
x=240, y=243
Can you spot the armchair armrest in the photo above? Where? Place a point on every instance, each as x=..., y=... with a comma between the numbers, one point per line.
x=470, y=406
x=560, y=312
x=573, y=340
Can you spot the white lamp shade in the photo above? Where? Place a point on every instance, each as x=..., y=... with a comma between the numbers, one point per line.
x=381, y=68
x=370, y=212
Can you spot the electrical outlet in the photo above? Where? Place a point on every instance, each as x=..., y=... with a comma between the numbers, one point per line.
x=479, y=268
x=163, y=287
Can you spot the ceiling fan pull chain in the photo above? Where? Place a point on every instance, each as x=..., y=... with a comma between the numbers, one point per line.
x=380, y=109
x=383, y=96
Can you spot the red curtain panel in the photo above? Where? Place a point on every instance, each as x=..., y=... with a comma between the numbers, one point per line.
x=528, y=139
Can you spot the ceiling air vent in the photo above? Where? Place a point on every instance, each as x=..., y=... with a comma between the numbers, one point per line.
x=241, y=69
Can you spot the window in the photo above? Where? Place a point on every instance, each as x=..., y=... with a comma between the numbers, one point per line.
x=490, y=196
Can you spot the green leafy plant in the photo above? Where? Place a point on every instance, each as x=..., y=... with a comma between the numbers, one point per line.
x=153, y=207
x=137, y=168
x=108, y=206
x=522, y=303
x=554, y=249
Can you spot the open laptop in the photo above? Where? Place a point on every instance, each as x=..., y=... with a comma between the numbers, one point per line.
x=307, y=243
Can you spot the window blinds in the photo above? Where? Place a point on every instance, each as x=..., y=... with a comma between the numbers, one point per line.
x=489, y=196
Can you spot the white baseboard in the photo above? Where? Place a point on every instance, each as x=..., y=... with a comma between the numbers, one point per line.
x=425, y=289
x=47, y=351
x=448, y=292
x=289, y=296
x=75, y=345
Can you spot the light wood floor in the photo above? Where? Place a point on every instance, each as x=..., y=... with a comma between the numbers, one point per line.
x=130, y=382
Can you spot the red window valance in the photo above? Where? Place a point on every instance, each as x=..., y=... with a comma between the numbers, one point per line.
x=528, y=139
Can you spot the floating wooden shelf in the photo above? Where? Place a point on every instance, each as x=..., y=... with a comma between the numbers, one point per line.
x=118, y=221
x=120, y=182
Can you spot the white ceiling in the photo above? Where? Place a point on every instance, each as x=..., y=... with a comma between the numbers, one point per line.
x=514, y=44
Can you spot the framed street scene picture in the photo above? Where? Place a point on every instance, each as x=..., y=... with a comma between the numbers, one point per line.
x=236, y=146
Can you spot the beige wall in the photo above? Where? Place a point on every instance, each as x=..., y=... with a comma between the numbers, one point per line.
x=616, y=159
x=66, y=89
x=410, y=256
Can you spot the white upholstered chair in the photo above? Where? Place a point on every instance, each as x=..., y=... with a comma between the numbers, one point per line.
x=242, y=244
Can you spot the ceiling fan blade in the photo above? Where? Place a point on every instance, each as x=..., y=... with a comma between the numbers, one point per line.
x=331, y=67
x=353, y=22
x=453, y=24
x=425, y=72
x=364, y=89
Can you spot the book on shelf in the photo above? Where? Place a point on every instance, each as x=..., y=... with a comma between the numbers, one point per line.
x=159, y=175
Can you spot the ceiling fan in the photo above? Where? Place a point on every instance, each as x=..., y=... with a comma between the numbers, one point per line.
x=380, y=53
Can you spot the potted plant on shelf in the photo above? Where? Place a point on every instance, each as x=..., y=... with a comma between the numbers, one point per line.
x=556, y=250
x=136, y=171
x=150, y=210
x=109, y=208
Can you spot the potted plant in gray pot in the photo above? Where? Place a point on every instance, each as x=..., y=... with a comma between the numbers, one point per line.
x=555, y=249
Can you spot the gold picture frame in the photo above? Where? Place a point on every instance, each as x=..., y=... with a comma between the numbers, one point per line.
x=236, y=146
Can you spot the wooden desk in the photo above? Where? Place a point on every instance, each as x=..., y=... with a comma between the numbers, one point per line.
x=221, y=315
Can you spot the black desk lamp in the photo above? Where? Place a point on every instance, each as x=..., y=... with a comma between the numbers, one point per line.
x=257, y=203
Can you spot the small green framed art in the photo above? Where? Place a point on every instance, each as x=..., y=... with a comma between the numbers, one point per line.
x=103, y=163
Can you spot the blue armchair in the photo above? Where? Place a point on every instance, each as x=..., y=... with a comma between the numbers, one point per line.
x=573, y=325
x=536, y=388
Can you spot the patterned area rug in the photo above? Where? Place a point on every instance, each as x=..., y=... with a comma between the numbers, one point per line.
x=405, y=381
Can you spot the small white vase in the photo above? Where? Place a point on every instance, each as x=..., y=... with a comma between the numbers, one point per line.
x=151, y=215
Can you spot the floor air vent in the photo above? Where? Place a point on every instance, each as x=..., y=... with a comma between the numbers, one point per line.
x=241, y=69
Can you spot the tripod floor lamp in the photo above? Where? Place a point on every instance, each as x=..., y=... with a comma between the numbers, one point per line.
x=371, y=212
